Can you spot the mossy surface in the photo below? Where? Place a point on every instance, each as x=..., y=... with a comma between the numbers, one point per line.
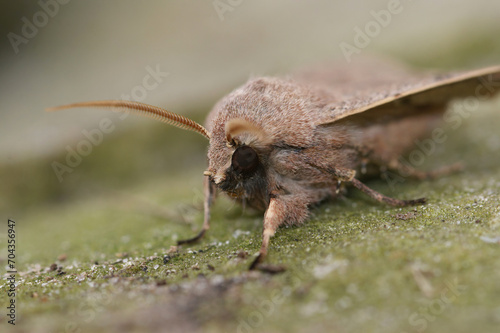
x=355, y=266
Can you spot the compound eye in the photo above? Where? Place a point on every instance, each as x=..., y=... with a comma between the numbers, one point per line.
x=245, y=159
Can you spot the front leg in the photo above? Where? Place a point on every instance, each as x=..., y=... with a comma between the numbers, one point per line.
x=209, y=191
x=284, y=209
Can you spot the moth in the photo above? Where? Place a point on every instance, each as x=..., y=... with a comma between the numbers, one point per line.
x=281, y=145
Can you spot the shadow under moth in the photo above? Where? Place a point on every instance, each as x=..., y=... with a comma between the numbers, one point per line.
x=281, y=145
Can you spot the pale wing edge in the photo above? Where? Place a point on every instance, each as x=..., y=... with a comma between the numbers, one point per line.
x=470, y=75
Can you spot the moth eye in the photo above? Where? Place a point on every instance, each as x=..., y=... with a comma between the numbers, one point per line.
x=245, y=159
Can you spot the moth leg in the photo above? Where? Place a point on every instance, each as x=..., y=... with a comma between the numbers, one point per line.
x=272, y=220
x=347, y=175
x=290, y=209
x=209, y=191
x=382, y=198
x=409, y=171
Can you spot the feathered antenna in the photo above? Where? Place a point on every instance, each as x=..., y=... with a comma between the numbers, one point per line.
x=141, y=109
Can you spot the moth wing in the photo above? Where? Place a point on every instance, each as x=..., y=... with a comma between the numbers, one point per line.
x=396, y=92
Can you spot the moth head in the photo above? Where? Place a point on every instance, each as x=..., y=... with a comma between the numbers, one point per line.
x=238, y=157
x=237, y=152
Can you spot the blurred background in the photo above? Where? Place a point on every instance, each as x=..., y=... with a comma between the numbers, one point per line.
x=184, y=56
x=87, y=50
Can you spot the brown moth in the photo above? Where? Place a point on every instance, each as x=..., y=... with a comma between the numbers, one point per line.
x=282, y=144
